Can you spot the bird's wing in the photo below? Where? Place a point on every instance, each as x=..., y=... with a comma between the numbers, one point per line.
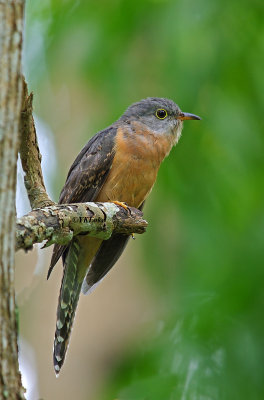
x=86, y=177
x=107, y=255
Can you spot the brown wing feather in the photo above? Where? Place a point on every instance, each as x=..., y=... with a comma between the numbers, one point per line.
x=87, y=176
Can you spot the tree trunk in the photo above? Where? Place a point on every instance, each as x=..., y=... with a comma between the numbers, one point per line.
x=11, y=26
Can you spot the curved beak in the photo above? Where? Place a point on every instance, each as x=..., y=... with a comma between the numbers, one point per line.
x=183, y=116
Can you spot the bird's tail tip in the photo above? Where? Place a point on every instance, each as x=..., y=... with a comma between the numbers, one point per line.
x=59, y=352
x=57, y=370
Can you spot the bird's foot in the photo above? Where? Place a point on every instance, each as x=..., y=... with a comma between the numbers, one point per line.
x=124, y=205
x=121, y=203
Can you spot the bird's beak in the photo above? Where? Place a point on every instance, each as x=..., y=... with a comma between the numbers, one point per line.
x=183, y=116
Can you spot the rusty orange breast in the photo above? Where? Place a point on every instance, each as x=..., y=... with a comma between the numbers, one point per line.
x=139, y=153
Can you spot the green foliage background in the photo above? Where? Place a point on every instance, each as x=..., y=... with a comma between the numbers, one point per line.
x=203, y=252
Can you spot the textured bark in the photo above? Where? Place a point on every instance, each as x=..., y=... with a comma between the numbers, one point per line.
x=59, y=223
x=30, y=155
x=11, y=26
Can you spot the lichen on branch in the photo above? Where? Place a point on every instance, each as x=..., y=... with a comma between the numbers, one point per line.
x=59, y=223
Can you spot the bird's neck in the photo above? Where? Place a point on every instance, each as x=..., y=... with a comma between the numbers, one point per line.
x=146, y=144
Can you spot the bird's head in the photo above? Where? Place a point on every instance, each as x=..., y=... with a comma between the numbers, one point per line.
x=160, y=115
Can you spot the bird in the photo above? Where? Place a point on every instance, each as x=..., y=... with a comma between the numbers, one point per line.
x=118, y=164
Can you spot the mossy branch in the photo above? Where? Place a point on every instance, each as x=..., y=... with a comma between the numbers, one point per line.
x=59, y=223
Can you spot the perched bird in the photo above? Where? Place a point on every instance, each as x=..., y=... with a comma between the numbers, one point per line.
x=119, y=163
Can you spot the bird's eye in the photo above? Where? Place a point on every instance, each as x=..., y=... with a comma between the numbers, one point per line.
x=161, y=113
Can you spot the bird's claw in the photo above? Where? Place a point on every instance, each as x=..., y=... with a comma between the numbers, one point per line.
x=122, y=204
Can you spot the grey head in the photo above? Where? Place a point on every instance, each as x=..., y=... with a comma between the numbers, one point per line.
x=161, y=115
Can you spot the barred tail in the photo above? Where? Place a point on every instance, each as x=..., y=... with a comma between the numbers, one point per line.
x=68, y=299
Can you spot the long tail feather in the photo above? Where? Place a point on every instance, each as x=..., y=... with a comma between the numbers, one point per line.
x=68, y=300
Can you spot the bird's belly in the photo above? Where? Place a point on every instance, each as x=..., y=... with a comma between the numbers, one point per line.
x=130, y=181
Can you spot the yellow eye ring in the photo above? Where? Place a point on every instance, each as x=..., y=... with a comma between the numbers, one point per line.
x=161, y=113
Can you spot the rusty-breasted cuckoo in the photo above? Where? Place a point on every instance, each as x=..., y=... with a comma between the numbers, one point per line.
x=120, y=163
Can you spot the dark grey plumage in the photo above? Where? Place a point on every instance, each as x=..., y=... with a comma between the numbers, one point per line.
x=149, y=106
